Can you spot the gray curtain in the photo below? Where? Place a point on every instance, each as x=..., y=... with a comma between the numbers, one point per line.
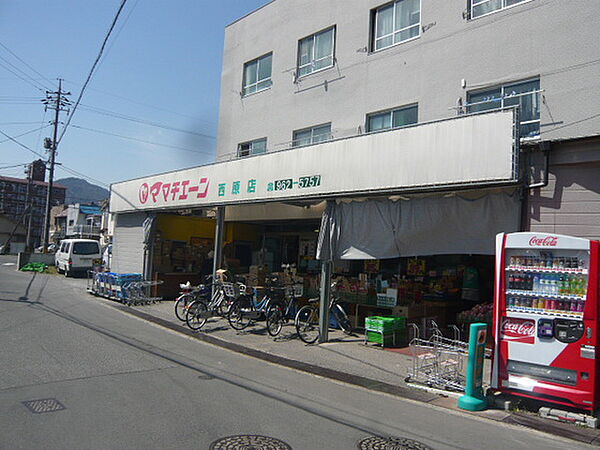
x=380, y=229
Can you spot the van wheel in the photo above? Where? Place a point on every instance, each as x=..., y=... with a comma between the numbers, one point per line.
x=67, y=273
x=58, y=269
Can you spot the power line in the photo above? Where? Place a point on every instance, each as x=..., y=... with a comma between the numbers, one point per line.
x=81, y=175
x=142, y=140
x=117, y=115
x=89, y=77
x=24, y=134
x=13, y=166
x=147, y=105
x=31, y=68
x=20, y=77
x=20, y=144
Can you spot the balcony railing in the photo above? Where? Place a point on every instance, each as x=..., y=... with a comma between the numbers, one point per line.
x=87, y=230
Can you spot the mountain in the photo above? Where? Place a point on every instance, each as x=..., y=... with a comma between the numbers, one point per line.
x=80, y=191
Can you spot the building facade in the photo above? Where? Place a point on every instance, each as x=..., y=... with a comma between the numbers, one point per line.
x=14, y=200
x=302, y=72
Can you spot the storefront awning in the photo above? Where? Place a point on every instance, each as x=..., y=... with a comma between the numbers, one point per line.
x=472, y=150
x=380, y=229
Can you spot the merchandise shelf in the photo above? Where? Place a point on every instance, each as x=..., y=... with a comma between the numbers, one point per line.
x=544, y=295
x=546, y=312
x=546, y=270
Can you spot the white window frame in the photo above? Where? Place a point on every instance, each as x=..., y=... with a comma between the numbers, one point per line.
x=504, y=96
x=311, y=64
x=312, y=135
x=251, y=144
x=245, y=86
x=475, y=3
x=391, y=112
x=375, y=28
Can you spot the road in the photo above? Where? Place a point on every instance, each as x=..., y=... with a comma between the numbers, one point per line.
x=126, y=383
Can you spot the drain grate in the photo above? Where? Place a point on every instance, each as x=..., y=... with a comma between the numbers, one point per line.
x=44, y=405
x=391, y=443
x=249, y=442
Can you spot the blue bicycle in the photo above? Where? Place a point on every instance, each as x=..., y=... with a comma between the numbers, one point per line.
x=246, y=309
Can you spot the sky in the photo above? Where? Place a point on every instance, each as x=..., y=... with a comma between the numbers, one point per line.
x=160, y=73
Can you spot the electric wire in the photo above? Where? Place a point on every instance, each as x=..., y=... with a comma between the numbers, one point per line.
x=89, y=77
x=13, y=166
x=142, y=140
x=21, y=144
x=81, y=175
x=117, y=115
x=147, y=105
x=25, y=134
x=22, y=74
x=26, y=64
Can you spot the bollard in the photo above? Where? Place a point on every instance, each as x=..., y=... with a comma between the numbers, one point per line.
x=474, y=400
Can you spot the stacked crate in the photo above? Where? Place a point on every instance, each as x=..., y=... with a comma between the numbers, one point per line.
x=387, y=331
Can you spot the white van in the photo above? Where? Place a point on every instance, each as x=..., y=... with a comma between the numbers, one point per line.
x=76, y=255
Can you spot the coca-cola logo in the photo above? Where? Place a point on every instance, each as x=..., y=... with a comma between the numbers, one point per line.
x=518, y=330
x=548, y=241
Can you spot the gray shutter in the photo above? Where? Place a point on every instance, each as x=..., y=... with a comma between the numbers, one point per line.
x=128, y=243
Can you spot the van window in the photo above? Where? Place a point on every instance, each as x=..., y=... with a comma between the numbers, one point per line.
x=85, y=248
x=67, y=245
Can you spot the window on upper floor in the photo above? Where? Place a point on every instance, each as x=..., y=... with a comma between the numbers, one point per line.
x=393, y=118
x=257, y=74
x=249, y=148
x=312, y=135
x=525, y=94
x=478, y=8
x=396, y=22
x=316, y=52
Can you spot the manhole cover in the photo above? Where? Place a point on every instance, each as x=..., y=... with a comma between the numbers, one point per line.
x=391, y=443
x=249, y=442
x=44, y=405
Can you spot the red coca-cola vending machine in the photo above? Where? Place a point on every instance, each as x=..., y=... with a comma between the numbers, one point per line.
x=546, y=319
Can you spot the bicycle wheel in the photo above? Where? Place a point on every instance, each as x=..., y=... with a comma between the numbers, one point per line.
x=196, y=316
x=181, y=306
x=236, y=316
x=224, y=306
x=274, y=319
x=307, y=324
x=342, y=318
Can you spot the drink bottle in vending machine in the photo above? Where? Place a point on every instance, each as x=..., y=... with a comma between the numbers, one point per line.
x=546, y=319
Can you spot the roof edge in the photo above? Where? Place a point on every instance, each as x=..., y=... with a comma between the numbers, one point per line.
x=249, y=14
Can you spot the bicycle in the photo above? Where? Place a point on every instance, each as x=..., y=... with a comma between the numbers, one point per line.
x=246, y=310
x=188, y=295
x=280, y=312
x=223, y=297
x=307, y=319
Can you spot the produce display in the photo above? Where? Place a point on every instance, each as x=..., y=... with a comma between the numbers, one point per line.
x=479, y=313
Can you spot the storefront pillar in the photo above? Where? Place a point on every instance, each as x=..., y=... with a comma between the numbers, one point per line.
x=219, y=231
x=324, y=302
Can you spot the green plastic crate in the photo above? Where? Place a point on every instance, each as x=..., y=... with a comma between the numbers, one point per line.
x=387, y=339
x=384, y=324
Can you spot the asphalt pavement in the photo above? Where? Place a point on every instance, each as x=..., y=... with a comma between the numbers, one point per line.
x=112, y=380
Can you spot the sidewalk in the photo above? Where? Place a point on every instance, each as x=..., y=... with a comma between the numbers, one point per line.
x=344, y=358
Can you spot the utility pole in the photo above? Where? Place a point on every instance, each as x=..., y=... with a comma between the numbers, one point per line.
x=57, y=102
x=28, y=246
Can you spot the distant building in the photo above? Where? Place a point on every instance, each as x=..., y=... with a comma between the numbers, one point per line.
x=13, y=199
x=10, y=230
x=78, y=220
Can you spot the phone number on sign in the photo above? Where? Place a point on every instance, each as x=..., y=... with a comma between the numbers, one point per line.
x=303, y=182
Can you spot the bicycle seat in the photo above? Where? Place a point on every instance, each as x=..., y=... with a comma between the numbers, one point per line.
x=314, y=300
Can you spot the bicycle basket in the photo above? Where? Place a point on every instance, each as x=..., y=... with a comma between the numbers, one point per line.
x=231, y=290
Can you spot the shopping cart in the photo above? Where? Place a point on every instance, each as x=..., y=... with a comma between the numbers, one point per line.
x=438, y=362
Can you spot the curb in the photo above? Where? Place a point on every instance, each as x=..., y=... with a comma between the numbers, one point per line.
x=514, y=418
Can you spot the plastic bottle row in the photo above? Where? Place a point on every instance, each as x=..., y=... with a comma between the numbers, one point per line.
x=548, y=305
x=547, y=261
x=549, y=283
